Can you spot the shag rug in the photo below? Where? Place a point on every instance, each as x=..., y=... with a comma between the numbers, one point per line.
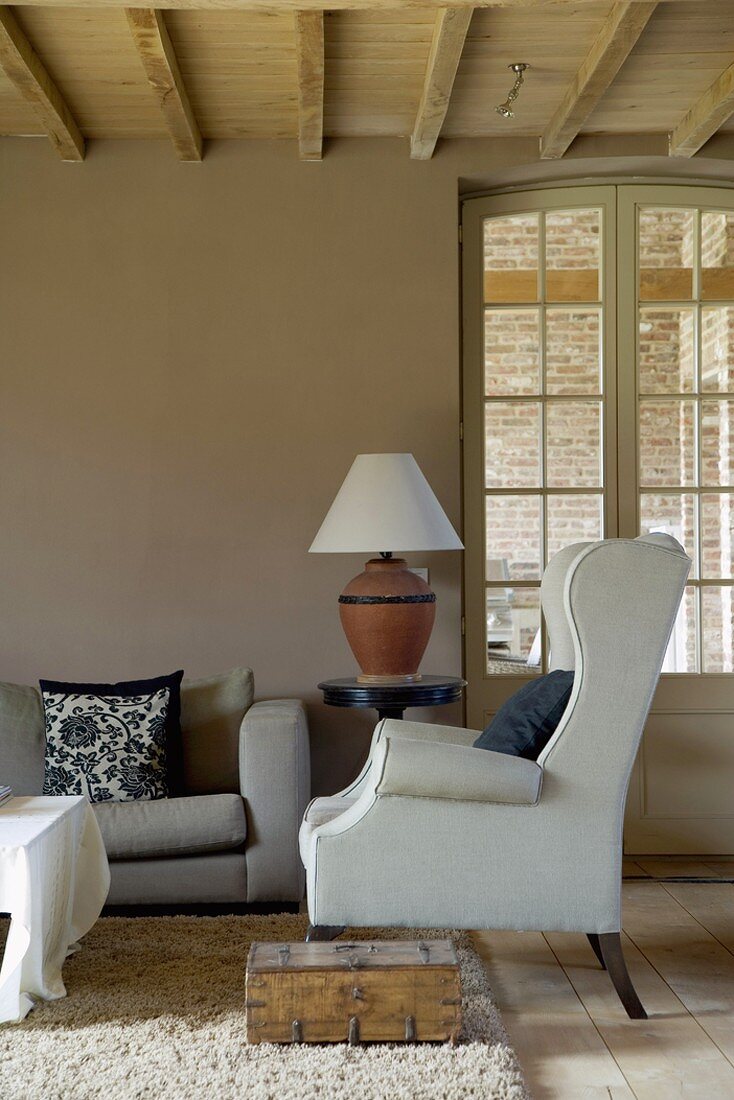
x=155, y=1008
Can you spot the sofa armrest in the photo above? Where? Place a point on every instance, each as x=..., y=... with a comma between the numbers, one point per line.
x=425, y=769
x=275, y=781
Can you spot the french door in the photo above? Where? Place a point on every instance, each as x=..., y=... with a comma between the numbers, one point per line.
x=599, y=401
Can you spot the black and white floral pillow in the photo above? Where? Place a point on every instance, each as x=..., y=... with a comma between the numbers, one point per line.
x=108, y=747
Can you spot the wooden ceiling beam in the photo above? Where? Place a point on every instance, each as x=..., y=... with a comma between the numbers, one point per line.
x=705, y=117
x=158, y=56
x=310, y=56
x=612, y=46
x=22, y=65
x=270, y=6
x=449, y=35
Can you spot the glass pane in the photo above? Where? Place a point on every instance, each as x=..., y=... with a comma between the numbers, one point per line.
x=513, y=538
x=573, y=444
x=667, y=350
x=666, y=254
x=512, y=444
x=513, y=621
x=667, y=442
x=717, y=254
x=681, y=654
x=673, y=514
x=572, y=251
x=717, y=349
x=511, y=258
x=572, y=351
x=573, y=517
x=718, y=636
x=717, y=535
x=717, y=442
x=511, y=352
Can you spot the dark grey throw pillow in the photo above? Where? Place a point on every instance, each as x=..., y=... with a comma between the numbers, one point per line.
x=110, y=741
x=524, y=724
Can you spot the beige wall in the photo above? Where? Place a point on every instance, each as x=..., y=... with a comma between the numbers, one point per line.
x=190, y=357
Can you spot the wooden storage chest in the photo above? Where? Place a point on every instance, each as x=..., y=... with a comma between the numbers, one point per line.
x=364, y=991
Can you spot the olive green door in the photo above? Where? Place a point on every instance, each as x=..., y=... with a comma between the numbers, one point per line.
x=599, y=401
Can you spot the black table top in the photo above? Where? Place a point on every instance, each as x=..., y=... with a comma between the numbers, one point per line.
x=429, y=691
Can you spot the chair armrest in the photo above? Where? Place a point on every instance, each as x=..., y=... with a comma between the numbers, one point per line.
x=275, y=781
x=429, y=770
x=415, y=731
x=426, y=731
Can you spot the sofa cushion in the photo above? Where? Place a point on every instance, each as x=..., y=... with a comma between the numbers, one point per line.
x=112, y=742
x=22, y=738
x=211, y=715
x=172, y=826
x=318, y=812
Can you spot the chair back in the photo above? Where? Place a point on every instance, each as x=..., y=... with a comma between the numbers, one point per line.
x=609, y=608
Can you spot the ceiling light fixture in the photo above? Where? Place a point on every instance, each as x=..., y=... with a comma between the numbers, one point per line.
x=505, y=109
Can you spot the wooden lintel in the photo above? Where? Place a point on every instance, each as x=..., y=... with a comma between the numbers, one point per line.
x=612, y=46
x=22, y=65
x=705, y=117
x=310, y=55
x=449, y=34
x=161, y=66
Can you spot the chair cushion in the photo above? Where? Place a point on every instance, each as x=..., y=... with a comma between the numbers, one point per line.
x=525, y=723
x=211, y=715
x=22, y=738
x=318, y=812
x=172, y=826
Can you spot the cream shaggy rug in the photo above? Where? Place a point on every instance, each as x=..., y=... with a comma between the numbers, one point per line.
x=155, y=1009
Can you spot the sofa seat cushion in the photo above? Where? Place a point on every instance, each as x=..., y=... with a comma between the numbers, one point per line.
x=168, y=827
x=318, y=812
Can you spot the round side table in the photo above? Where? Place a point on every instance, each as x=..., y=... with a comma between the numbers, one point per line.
x=391, y=700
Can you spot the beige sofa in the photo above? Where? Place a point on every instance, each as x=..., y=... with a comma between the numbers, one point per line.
x=233, y=835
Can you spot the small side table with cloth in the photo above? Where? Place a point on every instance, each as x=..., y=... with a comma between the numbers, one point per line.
x=54, y=879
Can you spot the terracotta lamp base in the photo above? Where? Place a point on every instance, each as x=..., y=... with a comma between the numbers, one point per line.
x=387, y=614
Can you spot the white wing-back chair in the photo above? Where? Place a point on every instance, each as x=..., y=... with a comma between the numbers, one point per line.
x=435, y=833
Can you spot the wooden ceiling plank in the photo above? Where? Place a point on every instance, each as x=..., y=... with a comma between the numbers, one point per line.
x=310, y=57
x=449, y=35
x=269, y=7
x=22, y=65
x=712, y=110
x=158, y=56
x=613, y=45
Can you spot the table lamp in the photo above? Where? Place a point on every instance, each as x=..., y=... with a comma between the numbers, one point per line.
x=387, y=612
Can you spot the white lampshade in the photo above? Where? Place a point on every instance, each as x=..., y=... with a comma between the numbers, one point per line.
x=385, y=504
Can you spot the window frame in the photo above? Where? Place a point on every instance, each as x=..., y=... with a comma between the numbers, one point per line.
x=602, y=197
x=701, y=198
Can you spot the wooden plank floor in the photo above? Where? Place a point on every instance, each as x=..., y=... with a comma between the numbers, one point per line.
x=572, y=1035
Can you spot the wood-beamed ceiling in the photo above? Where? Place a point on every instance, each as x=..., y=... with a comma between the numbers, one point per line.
x=197, y=69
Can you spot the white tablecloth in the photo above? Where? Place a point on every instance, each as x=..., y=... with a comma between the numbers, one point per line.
x=54, y=879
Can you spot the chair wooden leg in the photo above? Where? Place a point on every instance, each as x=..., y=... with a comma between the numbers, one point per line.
x=610, y=945
x=323, y=932
x=594, y=941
